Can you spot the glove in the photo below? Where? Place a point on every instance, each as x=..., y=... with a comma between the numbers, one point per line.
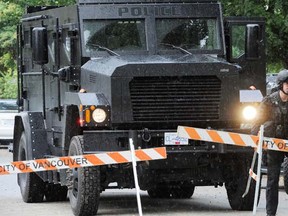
x=269, y=129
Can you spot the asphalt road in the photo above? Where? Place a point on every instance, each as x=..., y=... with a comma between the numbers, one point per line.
x=205, y=201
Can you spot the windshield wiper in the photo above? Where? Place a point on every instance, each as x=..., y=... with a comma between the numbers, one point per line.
x=176, y=47
x=111, y=52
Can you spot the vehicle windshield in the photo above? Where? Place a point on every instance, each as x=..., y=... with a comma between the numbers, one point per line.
x=187, y=33
x=118, y=35
x=130, y=35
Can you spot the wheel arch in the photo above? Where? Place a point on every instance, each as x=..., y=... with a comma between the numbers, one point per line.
x=21, y=124
x=32, y=123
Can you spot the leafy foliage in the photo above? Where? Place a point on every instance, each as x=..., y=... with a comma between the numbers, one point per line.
x=10, y=14
x=8, y=85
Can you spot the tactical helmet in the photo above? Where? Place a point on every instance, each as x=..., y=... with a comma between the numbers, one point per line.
x=282, y=76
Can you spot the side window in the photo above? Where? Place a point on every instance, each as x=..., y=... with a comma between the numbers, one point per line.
x=27, y=38
x=238, y=41
x=66, y=47
x=27, y=62
x=51, y=44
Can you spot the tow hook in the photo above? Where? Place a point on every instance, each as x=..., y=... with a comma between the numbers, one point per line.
x=146, y=136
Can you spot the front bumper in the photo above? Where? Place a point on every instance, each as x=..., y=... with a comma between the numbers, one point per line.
x=199, y=162
x=118, y=140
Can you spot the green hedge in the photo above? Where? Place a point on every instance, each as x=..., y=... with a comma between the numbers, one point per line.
x=8, y=85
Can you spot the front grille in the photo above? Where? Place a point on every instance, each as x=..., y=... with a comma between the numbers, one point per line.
x=175, y=98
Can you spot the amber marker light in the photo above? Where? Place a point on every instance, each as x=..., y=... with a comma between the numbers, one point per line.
x=87, y=115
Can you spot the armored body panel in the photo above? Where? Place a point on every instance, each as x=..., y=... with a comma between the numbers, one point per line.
x=100, y=72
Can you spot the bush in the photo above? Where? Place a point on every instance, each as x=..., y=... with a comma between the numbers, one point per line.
x=8, y=85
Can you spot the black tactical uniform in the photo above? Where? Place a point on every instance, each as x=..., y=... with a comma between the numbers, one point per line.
x=273, y=115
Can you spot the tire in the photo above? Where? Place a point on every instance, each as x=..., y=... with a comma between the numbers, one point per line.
x=236, y=184
x=84, y=192
x=285, y=174
x=161, y=191
x=182, y=190
x=55, y=193
x=31, y=185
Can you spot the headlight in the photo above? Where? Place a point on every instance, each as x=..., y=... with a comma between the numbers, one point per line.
x=249, y=112
x=99, y=115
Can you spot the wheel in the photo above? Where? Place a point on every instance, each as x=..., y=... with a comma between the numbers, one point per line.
x=182, y=190
x=285, y=174
x=159, y=191
x=31, y=185
x=84, y=186
x=55, y=193
x=236, y=181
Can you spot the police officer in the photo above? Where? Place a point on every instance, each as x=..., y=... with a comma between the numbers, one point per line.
x=272, y=114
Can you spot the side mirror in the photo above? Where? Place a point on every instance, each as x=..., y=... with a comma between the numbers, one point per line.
x=252, y=41
x=40, y=45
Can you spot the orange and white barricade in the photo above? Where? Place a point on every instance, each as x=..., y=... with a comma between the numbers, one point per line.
x=231, y=138
x=69, y=162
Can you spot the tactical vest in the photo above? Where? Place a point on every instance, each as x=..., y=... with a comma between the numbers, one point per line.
x=279, y=115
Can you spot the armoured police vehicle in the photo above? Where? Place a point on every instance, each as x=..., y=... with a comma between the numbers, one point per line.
x=95, y=74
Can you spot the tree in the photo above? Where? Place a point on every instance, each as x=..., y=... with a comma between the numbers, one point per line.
x=275, y=12
x=10, y=15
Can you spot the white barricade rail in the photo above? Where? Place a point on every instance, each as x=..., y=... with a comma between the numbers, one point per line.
x=232, y=138
x=81, y=161
x=134, y=164
x=259, y=151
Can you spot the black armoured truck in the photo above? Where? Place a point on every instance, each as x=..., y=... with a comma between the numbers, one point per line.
x=95, y=74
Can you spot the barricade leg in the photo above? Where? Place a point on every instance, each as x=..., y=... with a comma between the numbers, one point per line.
x=259, y=149
x=134, y=164
x=250, y=178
